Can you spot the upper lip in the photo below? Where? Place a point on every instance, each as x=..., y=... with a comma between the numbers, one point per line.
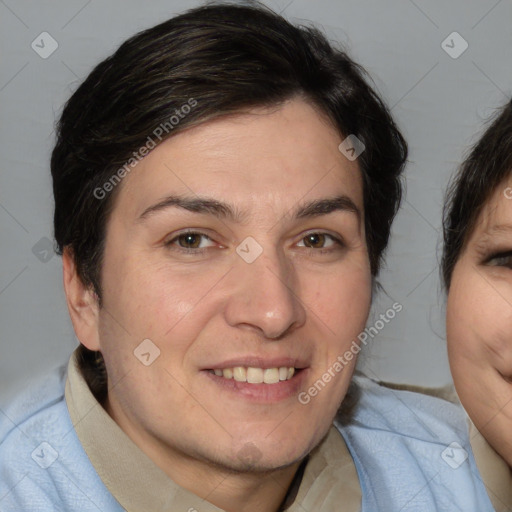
x=259, y=362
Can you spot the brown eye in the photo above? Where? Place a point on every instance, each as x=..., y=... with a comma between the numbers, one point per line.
x=189, y=240
x=321, y=242
x=315, y=240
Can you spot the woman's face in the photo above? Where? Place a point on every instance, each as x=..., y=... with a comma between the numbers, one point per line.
x=479, y=322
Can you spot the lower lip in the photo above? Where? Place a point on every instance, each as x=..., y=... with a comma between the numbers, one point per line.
x=261, y=393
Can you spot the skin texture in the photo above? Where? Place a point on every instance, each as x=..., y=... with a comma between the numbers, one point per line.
x=296, y=300
x=479, y=323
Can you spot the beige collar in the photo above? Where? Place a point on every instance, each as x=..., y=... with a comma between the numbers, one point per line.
x=495, y=472
x=137, y=483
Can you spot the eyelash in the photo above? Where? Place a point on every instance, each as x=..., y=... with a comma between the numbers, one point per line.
x=500, y=255
x=201, y=250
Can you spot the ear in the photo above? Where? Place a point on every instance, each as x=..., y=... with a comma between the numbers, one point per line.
x=82, y=301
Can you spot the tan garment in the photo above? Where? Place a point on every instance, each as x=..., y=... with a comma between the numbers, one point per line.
x=495, y=472
x=329, y=481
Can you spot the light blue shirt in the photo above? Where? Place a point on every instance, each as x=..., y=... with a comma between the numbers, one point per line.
x=411, y=453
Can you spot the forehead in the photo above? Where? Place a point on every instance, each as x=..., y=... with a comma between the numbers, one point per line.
x=265, y=158
x=495, y=218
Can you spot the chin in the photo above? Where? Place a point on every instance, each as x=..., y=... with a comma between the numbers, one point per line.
x=262, y=456
x=250, y=460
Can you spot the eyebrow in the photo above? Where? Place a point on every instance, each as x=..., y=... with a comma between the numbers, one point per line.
x=492, y=231
x=487, y=235
x=205, y=205
x=498, y=229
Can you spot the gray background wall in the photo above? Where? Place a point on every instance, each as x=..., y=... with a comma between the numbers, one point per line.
x=439, y=102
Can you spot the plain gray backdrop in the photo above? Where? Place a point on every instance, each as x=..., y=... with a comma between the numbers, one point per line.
x=439, y=96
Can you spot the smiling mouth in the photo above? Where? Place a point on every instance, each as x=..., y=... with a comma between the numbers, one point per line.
x=253, y=375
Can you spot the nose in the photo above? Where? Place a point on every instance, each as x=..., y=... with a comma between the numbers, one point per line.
x=265, y=296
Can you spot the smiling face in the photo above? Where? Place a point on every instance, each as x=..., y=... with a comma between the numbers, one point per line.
x=238, y=248
x=479, y=323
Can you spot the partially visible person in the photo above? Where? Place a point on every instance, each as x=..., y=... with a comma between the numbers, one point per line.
x=477, y=274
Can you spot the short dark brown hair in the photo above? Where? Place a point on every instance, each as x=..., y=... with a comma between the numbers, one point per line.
x=488, y=164
x=225, y=58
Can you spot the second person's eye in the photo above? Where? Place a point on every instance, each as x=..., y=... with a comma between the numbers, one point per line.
x=503, y=259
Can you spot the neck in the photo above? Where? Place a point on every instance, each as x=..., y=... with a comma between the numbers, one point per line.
x=229, y=490
x=236, y=492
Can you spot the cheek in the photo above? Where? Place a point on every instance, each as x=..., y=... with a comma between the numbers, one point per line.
x=153, y=297
x=341, y=309
x=479, y=326
x=342, y=301
x=146, y=301
x=460, y=322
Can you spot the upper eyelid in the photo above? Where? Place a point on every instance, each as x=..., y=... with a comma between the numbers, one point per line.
x=499, y=253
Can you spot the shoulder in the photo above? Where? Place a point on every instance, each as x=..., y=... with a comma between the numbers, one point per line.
x=405, y=411
x=43, y=466
x=411, y=450
x=29, y=424
x=28, y=413
x=493, y=468
x=42, y=463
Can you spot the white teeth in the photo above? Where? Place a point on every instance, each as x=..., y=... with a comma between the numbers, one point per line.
x=254, y=375
x=240, y=374
x=271, y=375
